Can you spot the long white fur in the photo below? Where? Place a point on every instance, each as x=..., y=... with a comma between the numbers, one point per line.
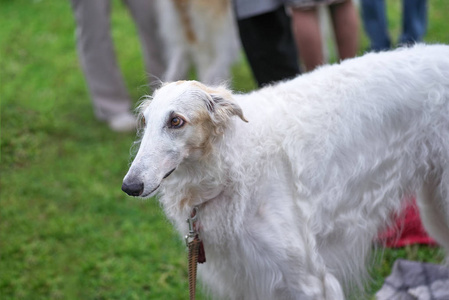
x=215, y=46
x=290, y=202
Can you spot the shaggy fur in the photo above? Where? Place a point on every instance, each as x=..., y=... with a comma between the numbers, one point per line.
x=290, y=202
x=201, y=32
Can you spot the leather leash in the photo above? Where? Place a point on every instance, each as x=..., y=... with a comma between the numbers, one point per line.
x=196, y=252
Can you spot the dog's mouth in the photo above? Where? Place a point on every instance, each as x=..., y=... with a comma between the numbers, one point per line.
x=169, y=173
x=151, y=192
x=155, y=189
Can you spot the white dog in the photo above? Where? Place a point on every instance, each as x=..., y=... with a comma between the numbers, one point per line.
x=290, y=202
x=201, y=32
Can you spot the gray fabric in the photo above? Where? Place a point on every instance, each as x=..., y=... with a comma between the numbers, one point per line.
x=415, y=281
x=97, y=57
x=310, y=3
x=249, y=8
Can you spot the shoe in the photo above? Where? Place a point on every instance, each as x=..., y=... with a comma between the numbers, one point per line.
x=124, y=122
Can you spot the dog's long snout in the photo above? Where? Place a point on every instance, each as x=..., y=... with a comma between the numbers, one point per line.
x=133, y=189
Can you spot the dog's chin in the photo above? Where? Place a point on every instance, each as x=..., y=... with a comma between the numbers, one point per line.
x=152, y=193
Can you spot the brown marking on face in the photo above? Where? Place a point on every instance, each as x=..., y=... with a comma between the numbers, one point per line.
x=205, y=133
x=223, y=92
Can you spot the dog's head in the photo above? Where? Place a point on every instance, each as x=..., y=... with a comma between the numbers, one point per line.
x=180, y=124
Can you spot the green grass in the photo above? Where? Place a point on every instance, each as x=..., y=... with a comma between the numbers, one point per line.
x=66, y=229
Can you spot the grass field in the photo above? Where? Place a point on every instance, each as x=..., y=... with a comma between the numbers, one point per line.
x=66, y=229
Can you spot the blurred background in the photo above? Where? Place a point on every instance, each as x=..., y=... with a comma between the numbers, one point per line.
x=67, y=231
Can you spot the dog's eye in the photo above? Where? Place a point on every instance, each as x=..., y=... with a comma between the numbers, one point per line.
x=176, y=122
x=143, y=122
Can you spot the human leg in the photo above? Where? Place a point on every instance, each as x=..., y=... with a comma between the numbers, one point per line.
x=308, y=36
x=414, y=21
x=375, y=23
x=269, y=46
x=144, y=15
x=346, y=26
x=97, y=58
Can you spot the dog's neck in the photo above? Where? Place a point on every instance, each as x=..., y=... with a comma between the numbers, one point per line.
x=201, y=183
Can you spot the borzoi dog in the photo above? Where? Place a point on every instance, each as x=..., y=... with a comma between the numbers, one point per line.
x=293, y=182
x=201, y=32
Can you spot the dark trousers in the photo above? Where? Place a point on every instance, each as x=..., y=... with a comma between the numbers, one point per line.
x=414, y=22
x=269, y=46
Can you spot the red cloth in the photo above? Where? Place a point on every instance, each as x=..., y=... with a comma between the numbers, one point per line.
x=407, y=229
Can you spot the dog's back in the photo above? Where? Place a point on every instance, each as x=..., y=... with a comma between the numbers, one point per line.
x=381, y=96
x=360, y=137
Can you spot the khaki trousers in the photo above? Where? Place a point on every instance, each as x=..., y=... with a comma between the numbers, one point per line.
x=97, y=56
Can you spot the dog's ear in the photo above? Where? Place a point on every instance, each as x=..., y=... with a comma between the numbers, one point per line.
x=221, y=107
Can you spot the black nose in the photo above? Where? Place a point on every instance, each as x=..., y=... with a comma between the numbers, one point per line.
x=133, y=189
